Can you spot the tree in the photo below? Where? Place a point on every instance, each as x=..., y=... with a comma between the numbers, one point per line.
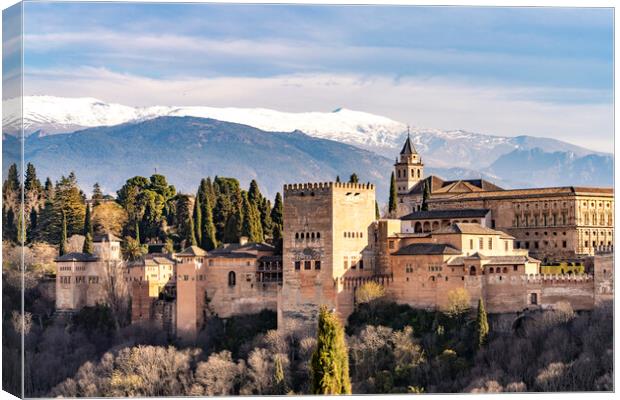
x=277, y=218
x=458, y=303
x=251, y=227
x=88, y=233
x=377, y=213
x=63, y=235
x=197, y=219
x=426, y=195
x=208, y=240
x=369, y=291
x=32, y=227
x=392, y=202
x=67, y=203
x=265, y=217
x=482, y=324
x=97, y=194
x=31, y=183
x=353, y=178
x=132, y=249
x=279, y=379
x=109, y=217
x=338, y=178
x=330, y=361
x=12, y=181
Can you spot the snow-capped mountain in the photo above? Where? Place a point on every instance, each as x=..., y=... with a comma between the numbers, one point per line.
x=47, y=115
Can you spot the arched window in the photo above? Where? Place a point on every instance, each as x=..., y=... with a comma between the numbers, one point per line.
x=318, y=235
x=418, y=173
x=312, y=235
x=418, y=227
x=232, y=278
x=427, y=227
x=505, y=270
x=472, y=270
x=491, y=270
x=302, y=235
x=296, y=235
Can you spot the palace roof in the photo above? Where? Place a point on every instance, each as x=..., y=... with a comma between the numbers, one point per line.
x=445, y=214
x=492, y=259
x=426, y=249
x=533, y=192
x=77, y=257
x=439, y=186
x=469, y=229
x=192, y=251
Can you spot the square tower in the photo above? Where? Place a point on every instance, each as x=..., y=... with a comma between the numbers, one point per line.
x=409, y=169
x=325, y=241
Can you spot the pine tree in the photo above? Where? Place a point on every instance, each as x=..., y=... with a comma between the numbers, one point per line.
x=254, y=195
x=277, y=218
x=377, y=213
x=198, y=218
x=330, y=360
x=88, y=233
x=63, y=236
x=353, y=178
x=208, y=240
x=31, y=183
x=32, y=226
x=426, y=195
x=12, y=181
x=482, y=324
x=392, y=203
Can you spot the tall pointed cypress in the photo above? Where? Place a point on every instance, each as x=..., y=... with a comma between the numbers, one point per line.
x=208, y=240
x=198, y=218
x=88, y=233
x=426, y=195
x=137, y=229
x=353, y=178
x=392, y=203
x=63, y=236
x=251, y=227
x=277, y=218
x=482, y=324
x=377, y=213
x=330, y=360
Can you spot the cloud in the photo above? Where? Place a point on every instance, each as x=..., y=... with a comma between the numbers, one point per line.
x=424, y=102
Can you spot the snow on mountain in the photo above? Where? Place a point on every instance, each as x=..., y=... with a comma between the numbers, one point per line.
x=49, y=115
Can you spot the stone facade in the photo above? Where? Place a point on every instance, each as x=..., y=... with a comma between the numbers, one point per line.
x=81, y=278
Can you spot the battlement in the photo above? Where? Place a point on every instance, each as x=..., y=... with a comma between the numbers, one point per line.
x=557, y=278
x=351, y=282
x=292, y=187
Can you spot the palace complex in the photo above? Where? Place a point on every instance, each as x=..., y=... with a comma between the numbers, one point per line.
x=445, y=237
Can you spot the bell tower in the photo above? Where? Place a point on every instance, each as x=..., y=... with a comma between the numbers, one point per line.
x=408, y=169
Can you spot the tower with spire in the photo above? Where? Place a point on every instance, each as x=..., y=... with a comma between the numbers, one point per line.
x=408, y=169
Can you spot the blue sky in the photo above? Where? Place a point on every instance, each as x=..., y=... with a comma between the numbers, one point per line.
x=505, y=71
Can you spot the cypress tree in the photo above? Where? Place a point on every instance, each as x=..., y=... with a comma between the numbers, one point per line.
x=190, y=238
x=251, y=226
x=137, y=231
x=276, y=217
x=330, y=360
x=425, y=196
x=32, y=227
x=353, y=178
x=198, y=218
x=208, y=240
x=97, y=194
x=265, y=217
x=48, y=188
x=337, y=178
x=482, y=324
x=88, y=233
x=392, y=203
x=232, y=230
x=63, y=236
x=254, y=195
x=377, y=213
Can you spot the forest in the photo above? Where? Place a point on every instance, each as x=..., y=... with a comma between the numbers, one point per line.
x=385, y=348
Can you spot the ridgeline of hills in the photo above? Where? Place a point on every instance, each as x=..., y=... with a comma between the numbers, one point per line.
x=187, y=143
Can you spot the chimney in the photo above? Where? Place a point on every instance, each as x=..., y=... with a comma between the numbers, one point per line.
x=243, y=240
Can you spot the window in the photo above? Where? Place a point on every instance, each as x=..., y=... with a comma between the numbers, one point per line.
x=490, y=243
x=317, y=265
x=491, y=270
x=307, y=264
x=391, y=244
x=472, y=270
x=318, y=235
x=515, y=268
x=481, y=243
x=361, y=264
x=232, y=278
x=346, y=263
x=505, y=270
x=353, y=264
x=533, y=298
x=564, y=243
x=506, y=245
x=471, y=244
x=535, y=245
x=297, y=265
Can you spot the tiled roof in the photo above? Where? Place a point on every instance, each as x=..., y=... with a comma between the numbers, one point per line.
x=408, y=148
x=106, y=237
x=439, y=186
x=470, y=229
x=492, y=259
x=232, y=254
x=534, y=192
x=77, y=257
x=426, y=249
x=192, y=251
x=449, y=213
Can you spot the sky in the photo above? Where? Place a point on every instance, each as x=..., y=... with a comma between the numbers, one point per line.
x=503, y=71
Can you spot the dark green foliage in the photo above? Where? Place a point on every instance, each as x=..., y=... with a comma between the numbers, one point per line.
x=67, y=201
x=337, y=178
x=32, y=226
x=251, y=226
x=31, y=183
x=21, y=229
x=233, y=228
x=353, y=178
x=207, y=229
x=197, y=216
x=277, y=219
x=426, y=195
x=63, y=236
x=482, y=324
x=392, y=202
x=377, y=213
x=49, y=188
x=9, y=229
x=265, y=218
x=12, y=182
x=330, y=361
